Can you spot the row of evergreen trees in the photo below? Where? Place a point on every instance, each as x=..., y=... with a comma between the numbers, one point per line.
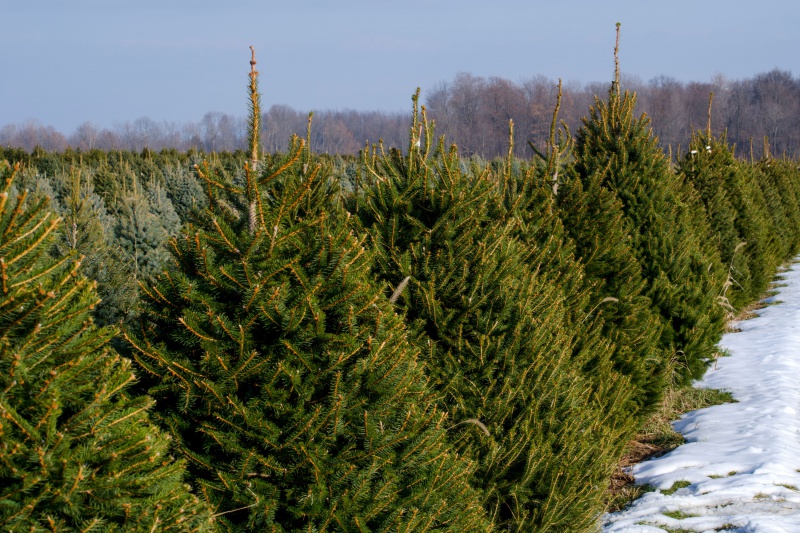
x=429, y=344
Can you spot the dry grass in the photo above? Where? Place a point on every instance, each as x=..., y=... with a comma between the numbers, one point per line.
x=657, y=438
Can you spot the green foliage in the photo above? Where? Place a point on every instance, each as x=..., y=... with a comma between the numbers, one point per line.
x=496, y=339
x=681, y=268
x=76, y=452
x=288, y=382
x=141, y=236
x=594, y=218
x=747, y=214
x=88, y=232
x=161, y=207
x=781, y=176
x=184, y=190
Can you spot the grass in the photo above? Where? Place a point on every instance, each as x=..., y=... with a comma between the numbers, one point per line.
x=656, y=438
x=665, y=528
x=675, y=486
x=678, y=515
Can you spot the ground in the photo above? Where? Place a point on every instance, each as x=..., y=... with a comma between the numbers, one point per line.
x=738, y=471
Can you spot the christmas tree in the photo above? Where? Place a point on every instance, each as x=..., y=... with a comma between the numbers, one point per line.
x=495, y=333
x=77, y=453
x=581, y=242
x=747, y=214
x=284, y=374
x=679, y=264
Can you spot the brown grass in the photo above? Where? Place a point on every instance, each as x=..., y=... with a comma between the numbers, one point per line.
x=657, y=437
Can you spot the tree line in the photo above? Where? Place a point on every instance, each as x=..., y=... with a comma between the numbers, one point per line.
x=472, y=112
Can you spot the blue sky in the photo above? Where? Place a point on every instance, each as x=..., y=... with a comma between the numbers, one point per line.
x=107, y=61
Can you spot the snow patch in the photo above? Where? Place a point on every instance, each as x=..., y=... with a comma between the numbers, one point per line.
x=741, y=459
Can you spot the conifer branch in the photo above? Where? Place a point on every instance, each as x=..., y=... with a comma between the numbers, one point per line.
x=292, y=159
x=615, y=88
x=255, y=113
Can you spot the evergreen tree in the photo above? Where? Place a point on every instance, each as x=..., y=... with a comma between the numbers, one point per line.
x=141, y=236
x=76, y=452
x=682, y=271
x=782, y=176
x=88, y=231
x=496, y=339
x=289, y=383
x=595, y=220
x=161, y=207
x=184, y=190
x=599, y=275
x=746, y=230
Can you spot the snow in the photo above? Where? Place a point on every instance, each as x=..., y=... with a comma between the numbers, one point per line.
x=741, y=459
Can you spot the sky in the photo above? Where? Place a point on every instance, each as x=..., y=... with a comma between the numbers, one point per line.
x=63, y=63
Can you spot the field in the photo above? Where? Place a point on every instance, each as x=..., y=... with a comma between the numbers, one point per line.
x=406, y=340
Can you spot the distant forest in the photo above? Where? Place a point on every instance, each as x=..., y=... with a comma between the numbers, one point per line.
x=472, y=112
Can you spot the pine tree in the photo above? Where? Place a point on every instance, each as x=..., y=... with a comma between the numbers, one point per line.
x=289, y=383
x=76, y=452
x=496, y=338
x=681, y=268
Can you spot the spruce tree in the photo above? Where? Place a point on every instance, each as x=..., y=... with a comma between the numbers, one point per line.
x=184, y=190
x=599, y=275
x=495, y=336
x=283, y=373
x=161, y=207
x=141, y=236
x=746, y=230
x=681, y=268
x=88, y=231
x=76, y=452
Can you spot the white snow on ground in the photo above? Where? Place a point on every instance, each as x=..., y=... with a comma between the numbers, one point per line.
x=741, y=459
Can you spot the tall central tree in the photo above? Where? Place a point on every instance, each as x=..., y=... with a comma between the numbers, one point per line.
x=495, y=336
x=284, y=374
x=616, y=150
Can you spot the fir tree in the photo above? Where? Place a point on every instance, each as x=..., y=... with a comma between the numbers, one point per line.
x=781, y=175
x=747, y=230
x=76, y=452
x=289, y=383
x=595, y=219
x=599, y=275
x=682, y=271
x=496, y=339
x=141, y=236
